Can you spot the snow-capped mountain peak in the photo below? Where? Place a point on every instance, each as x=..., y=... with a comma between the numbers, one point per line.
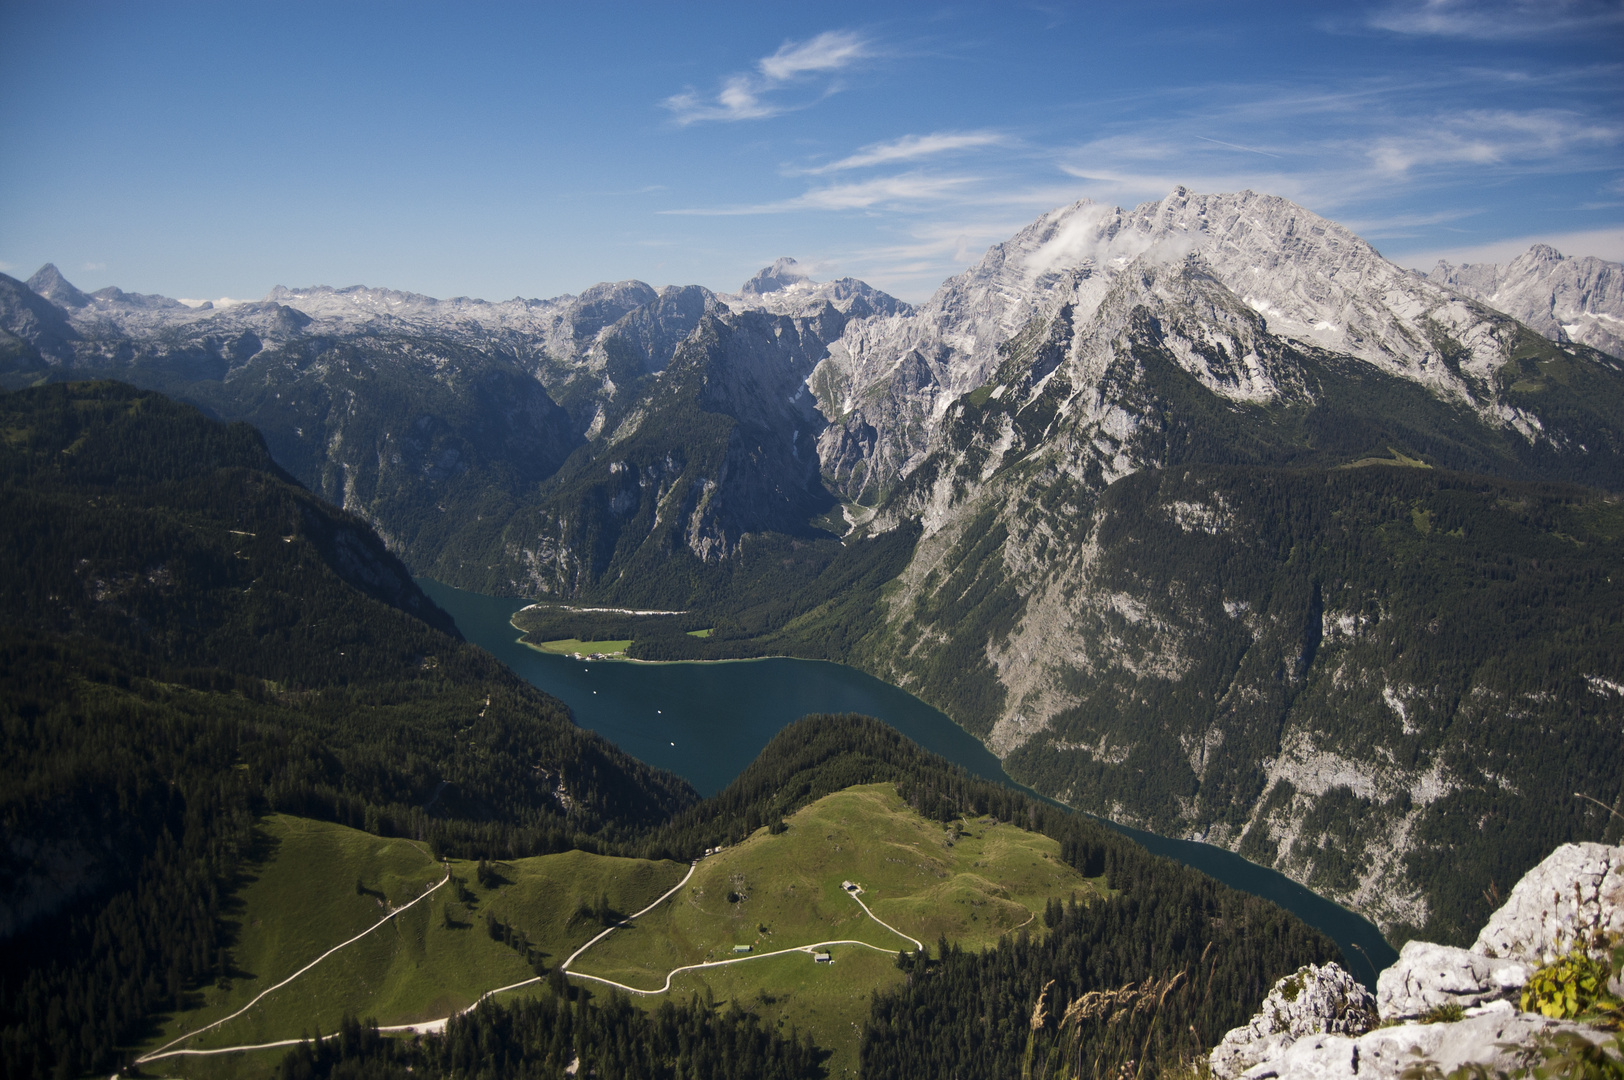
x=888, y=383
x=780, y=275
x=783, y=289
x=49, y=283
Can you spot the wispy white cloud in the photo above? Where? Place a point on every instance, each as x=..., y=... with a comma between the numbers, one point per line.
x=1393, y=226
x=1237, y=146
x=1483, y=137
x=748, y=95
x=1499, y=19
x=1136, y=175
x=894, y=192
x=910, y=148
x=913, y=263
x=829, y=51
x=1375, y=150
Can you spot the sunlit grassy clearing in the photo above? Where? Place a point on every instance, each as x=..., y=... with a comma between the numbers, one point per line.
x=786, y=893
x=303, y=900
x=570, y=646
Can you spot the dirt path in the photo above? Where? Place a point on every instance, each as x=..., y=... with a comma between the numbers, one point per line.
x=851, y=889
x=611, y=929
x=421, y=1027
x=164, y=1051
x=427, y=1026
x=808, y=949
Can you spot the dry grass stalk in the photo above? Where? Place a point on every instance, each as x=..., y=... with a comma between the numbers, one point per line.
x=1112, y=1009
x=1039, y=1017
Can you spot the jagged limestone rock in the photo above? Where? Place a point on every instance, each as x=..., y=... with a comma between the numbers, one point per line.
x=1313, y=1001
x=1576, y=891
x=1429, y=977
x=1566, y=299
x=1498, y=1038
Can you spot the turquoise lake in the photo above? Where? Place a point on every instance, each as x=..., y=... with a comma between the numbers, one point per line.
x=707, y=721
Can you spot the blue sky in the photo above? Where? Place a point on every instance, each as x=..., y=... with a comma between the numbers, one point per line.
x=208, y=150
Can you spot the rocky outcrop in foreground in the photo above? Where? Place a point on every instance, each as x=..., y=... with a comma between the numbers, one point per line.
x=1315, y=1001
x=1447, y=1006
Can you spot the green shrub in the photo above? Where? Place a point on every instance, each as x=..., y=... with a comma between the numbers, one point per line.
x=1575, y=985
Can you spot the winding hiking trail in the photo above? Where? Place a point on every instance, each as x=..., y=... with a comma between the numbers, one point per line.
x=851, y=889
x=426, y=1026
x=623, y=922
x=422, y=1027
x=164, y=1051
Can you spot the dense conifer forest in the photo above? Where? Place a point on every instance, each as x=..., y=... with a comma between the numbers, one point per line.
x=190, y=641
x=543, y=1040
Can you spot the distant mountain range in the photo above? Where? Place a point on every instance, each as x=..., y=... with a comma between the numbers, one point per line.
x=1565, y=299
x=1202, y=514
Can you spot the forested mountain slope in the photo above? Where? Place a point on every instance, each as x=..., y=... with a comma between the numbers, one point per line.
x=191, y=639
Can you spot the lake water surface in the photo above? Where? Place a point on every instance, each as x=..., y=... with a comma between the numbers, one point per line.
x=707, y=721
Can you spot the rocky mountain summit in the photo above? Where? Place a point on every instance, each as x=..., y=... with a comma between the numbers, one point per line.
x=784, y=290
x=1566, y=299
x=1455, y=1008
x=432, y=418
x=888, y=383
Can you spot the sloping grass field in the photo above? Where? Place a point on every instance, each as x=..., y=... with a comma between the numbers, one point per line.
x=970, y=883
x=320, y=885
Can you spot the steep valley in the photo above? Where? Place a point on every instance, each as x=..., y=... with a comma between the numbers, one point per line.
x=255, y=784
x=1202, y=515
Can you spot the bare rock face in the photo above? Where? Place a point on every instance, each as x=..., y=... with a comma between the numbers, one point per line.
x=1313, y=280
x=780, y=275
x=1497, y=1040
x=1313, y=1001
x=1577, y=891
x=1566, y=299
x=1429, y=977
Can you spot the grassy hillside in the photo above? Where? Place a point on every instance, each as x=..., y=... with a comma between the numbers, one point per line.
x=969, y=882
x=316, y=885
x=784, y=891
x=191, y=643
